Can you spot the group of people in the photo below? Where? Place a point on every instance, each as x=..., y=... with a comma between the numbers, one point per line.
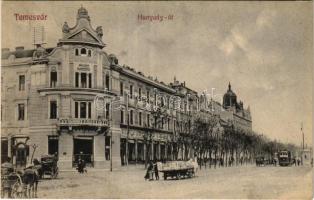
x=152, y=170
x=296, y=161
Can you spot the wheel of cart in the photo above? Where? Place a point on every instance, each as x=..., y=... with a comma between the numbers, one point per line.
x=190, y=173
x=12, y=186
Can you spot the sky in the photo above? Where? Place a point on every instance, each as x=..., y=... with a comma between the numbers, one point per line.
x=264, y=49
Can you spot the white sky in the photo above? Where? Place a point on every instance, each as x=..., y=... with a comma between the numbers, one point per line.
x=265, y=49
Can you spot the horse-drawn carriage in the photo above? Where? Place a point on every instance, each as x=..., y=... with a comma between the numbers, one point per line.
x=18, y=184
x=49, y=166
x=177, y=169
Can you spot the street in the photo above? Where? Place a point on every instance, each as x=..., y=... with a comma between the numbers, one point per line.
x=232, y=182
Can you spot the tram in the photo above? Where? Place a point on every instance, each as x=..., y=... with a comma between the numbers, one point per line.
x=284, y=158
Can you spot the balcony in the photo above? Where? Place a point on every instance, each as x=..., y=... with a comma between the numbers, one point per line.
x=90, y=124
x=80, y=122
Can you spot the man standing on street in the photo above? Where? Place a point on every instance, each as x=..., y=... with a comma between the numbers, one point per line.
x=156, y=170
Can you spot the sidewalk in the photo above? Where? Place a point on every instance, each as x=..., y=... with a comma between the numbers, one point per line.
x=121, y=168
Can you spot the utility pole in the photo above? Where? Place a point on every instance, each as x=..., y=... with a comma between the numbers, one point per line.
x=302, y=143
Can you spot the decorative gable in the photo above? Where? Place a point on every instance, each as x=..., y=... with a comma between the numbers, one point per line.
x=82, y=32
x=84, y=36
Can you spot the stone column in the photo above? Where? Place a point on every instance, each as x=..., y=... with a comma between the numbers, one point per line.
x=152, y=150
x=171, y=148
x=159, y=152
x=166, y=151
x=79, y=80
x=9, y=148
x=87, y=79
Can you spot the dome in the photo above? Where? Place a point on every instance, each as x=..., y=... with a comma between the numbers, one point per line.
x=82, y=13
x=230, y=98
x=230, y=92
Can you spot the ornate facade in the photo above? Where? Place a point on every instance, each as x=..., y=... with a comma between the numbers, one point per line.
x=75, y=100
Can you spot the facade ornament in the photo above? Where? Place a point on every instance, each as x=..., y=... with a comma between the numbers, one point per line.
x=65, y=28
x=99, y=31
x=39, y=53
x=82, y=13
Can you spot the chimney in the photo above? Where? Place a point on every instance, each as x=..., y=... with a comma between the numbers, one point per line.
x=20, y=48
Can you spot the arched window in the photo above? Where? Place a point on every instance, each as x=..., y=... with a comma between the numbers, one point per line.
x=83, y=51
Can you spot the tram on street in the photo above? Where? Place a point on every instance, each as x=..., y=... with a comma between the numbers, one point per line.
x=284, y=158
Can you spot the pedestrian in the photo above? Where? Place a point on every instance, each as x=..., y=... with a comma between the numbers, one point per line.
x=81, y=166
x=149, y=172
x=156, y=170
x=199, y=162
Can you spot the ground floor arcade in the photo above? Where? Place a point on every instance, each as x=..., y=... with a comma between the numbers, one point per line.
x=100, y=149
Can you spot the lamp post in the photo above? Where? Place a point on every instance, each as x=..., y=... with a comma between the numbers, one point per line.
x=302, y=143
x=110, y=127
x=147, y=138
x=110, y=124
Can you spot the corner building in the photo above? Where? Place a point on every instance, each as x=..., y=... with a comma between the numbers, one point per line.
x=49, y=105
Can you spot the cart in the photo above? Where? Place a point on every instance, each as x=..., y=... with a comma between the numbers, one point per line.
x=177, y=169
x=49, y=166
x=11, y=182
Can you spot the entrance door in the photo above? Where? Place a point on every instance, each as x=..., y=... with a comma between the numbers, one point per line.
x=131, y=152
x=53, y=145
x=4, y=150
x=21, y=156
x=83, y=148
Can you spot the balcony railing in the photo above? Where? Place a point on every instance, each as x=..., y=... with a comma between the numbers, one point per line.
x=83, y=122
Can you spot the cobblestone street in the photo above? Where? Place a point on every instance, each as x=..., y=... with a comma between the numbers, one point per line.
x=233, y=182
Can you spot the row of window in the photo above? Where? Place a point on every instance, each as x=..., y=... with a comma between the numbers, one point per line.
x=164, y=102
x=162, y=123
x=83, y=52
x=82, y=110
x=82, y=79
x=21, y=111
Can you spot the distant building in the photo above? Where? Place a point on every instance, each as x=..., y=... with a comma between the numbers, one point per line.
x=235, y=111
x=75, y=100
x=307, y=157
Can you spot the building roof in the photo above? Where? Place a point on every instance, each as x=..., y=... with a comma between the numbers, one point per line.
x=82, y=32
x=230, y=92
x=5, y=54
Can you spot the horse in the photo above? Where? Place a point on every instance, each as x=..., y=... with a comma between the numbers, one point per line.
x=30, y=179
